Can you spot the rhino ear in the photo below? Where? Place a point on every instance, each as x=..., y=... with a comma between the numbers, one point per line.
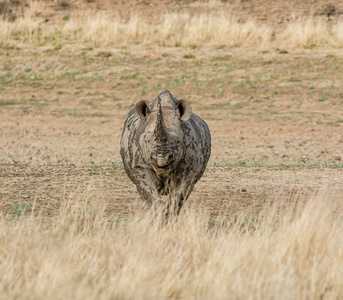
x=183, y=110
x=142, y=109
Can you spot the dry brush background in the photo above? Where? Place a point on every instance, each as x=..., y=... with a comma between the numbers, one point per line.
x=265, y=221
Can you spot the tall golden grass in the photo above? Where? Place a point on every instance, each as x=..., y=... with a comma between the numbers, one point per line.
x=290, y=253
x=173, y=29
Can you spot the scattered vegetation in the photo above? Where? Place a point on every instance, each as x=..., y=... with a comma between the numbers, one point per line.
x=20, y=209
x=329, y=10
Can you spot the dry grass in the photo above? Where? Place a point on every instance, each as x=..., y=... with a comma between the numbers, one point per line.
x=307, y=32
x=292, y=253
x=173, y=29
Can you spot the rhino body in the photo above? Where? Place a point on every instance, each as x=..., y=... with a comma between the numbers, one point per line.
x=165, y=149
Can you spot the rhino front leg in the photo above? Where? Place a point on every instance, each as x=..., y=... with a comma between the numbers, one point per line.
x=180, y=188
x=169, y=205
x=167, y=208
x=148, y=185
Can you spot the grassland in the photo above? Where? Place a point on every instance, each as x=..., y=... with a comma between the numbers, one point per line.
x=265, y=221
x=295, y=252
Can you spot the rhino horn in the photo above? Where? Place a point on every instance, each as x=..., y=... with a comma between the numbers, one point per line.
x=160, y=129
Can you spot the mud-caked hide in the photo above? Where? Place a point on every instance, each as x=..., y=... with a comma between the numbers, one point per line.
x=165, y=149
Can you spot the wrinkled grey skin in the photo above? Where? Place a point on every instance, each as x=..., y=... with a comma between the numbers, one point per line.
x=165, y=149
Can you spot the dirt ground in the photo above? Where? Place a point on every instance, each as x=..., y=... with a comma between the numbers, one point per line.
x=276, y=120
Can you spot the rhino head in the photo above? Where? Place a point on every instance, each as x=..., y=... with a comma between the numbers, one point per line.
x=162, y=131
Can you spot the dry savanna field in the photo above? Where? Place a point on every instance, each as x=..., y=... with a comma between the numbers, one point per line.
x=266, y=219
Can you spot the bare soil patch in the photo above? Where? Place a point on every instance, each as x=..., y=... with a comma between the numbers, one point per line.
x=222, y=192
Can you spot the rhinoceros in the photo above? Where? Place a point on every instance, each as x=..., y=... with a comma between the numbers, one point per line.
x=165, y=149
